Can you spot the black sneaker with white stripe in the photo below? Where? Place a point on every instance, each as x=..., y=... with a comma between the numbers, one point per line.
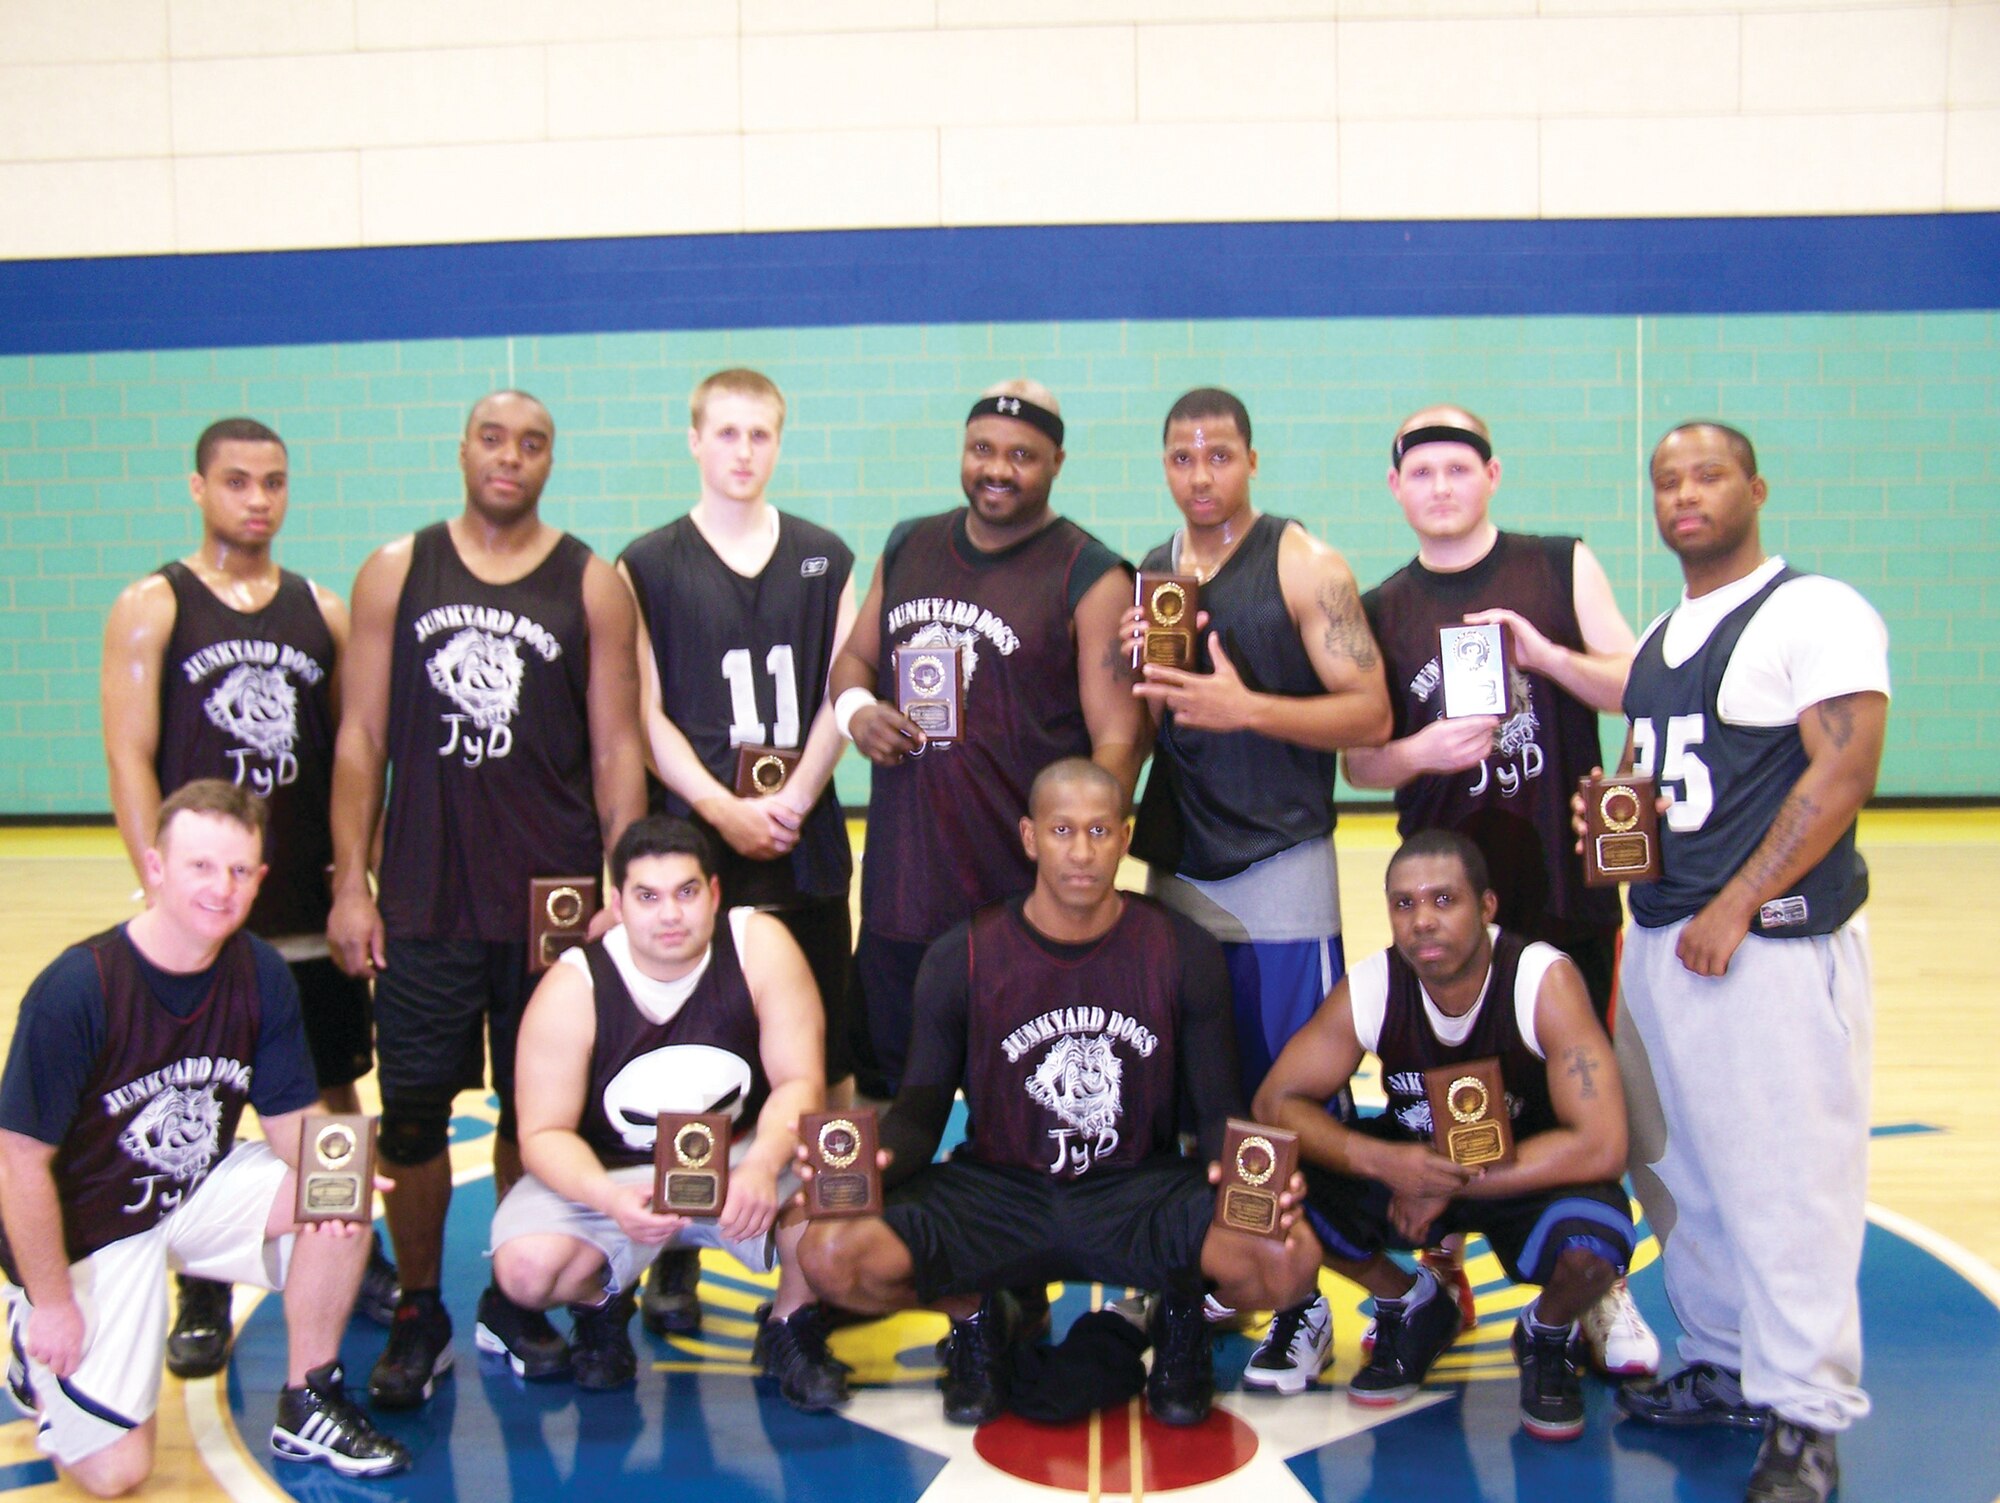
x=319, y=1422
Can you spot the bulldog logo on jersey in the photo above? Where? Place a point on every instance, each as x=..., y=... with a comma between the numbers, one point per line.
x=175, y=1135
x=481, y=674
x=676, y=1078
x=258, y=707
x=1079, y=1079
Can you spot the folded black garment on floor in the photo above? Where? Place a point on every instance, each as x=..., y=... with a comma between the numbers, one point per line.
x=1096, y=1366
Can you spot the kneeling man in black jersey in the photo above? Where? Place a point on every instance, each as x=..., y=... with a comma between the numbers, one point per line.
x=672, y=1010
x=135, y=1055
x=1453, y=989
x=1084, y=1025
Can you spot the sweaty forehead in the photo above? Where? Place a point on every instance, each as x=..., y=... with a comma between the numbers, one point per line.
x=1209, y=428
x=1415, y=874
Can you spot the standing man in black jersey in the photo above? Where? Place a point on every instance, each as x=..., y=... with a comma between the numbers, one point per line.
x=1454, y=989
x=1032, y=602
x=742, y=610
x=492, y=666
x=1760, y=703
x=1084, y=1025
x=1504, y=783
x=223, y=665
x=1237, y=821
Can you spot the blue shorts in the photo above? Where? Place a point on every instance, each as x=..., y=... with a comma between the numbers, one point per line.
x=1277, y=986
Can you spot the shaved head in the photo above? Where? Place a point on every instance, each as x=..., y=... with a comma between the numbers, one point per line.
x=1073, y=772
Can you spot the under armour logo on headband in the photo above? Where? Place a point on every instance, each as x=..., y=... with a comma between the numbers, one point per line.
x=1021, y=410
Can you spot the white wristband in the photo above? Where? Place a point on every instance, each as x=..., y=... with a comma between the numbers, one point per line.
x=845, y=708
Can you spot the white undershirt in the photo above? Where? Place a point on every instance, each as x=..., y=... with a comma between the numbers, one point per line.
x=1368, y=998
x=658, y=1001
x=1815, y=639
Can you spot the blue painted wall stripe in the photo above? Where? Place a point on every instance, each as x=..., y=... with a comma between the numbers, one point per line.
x=1816, y=264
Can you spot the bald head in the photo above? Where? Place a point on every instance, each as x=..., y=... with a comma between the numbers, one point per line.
x=1445, y=416
x=511, y=404
x=1074, y=774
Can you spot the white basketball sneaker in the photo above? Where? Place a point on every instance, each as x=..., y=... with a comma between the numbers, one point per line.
x=1617, y=1342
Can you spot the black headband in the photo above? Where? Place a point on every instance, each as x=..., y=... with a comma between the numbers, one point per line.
x=1441, y=433
x=1021, y=410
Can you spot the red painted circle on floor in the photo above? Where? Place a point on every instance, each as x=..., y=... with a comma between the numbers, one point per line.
x=1059, y=1455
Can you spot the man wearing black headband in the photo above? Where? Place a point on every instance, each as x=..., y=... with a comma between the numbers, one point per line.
x=1031, y=602
x=1504, y=782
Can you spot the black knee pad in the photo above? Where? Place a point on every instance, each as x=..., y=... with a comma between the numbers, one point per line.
x=414, y=1132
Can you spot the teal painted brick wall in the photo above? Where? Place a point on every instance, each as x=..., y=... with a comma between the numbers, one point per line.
x=1879, y=434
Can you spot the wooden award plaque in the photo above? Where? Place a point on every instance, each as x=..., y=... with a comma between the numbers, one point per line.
x=1472, y=661
x=336, y=1177
x=841, y=1146
x=1621, y=841
x=1170, y=602
x=691, y=1164
x=1469, y=1121
x=1257, y=1164
x=559, y=913
x=762, y=770
x=930, y=691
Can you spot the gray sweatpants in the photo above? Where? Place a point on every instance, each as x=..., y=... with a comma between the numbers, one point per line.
x=1748, y=1099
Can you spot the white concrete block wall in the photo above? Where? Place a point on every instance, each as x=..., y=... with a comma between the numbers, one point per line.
x=197, y=125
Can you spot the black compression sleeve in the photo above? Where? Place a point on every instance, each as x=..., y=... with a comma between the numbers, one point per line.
x=915, y=1124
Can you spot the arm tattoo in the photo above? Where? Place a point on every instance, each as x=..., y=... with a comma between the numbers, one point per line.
x=1347, y=635
x=1584, y=1065
x=1836, y=718
x=1118, y=662
x=1788, y=833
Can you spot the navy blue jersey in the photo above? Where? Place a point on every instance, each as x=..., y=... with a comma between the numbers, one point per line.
x=1728, y=781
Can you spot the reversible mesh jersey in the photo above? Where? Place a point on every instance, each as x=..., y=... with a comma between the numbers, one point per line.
x=704, y=1058
x=1408, y=1046
x=1217, y=802
x=943, y=827
x=1514, y=805
x=1067, y=1072
x=743, y=660
x=248, y=697
x=161, y=1101
x=489, y=741
x=1729, y=782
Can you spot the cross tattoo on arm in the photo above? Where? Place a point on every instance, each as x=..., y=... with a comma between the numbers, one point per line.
x=1583, y=1065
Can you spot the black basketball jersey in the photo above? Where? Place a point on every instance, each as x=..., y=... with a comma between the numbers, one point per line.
x=1409, y=1046
x=489, y=741
x=944, y=827
x=1216, y=802
x=1515, y=805
x=1729, y=782
x=1070, y=1049
x=249, y=697
x=162, y=1101
x=704, y=1058
x=744, y=661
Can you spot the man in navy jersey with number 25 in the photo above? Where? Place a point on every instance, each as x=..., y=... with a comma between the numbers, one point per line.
x=1759, y=702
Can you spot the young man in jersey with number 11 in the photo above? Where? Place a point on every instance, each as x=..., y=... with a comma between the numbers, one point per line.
x=742, y=609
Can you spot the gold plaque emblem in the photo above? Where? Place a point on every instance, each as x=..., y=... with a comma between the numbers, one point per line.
x=767, y=773
x=1618, y=808
x=334, y=1146
x=927, y=675
x=564, y=907
x=694, y=1144
x=1255, y=1159
x=1467, y=1098
x=1169, y=604
x=839, y=1143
